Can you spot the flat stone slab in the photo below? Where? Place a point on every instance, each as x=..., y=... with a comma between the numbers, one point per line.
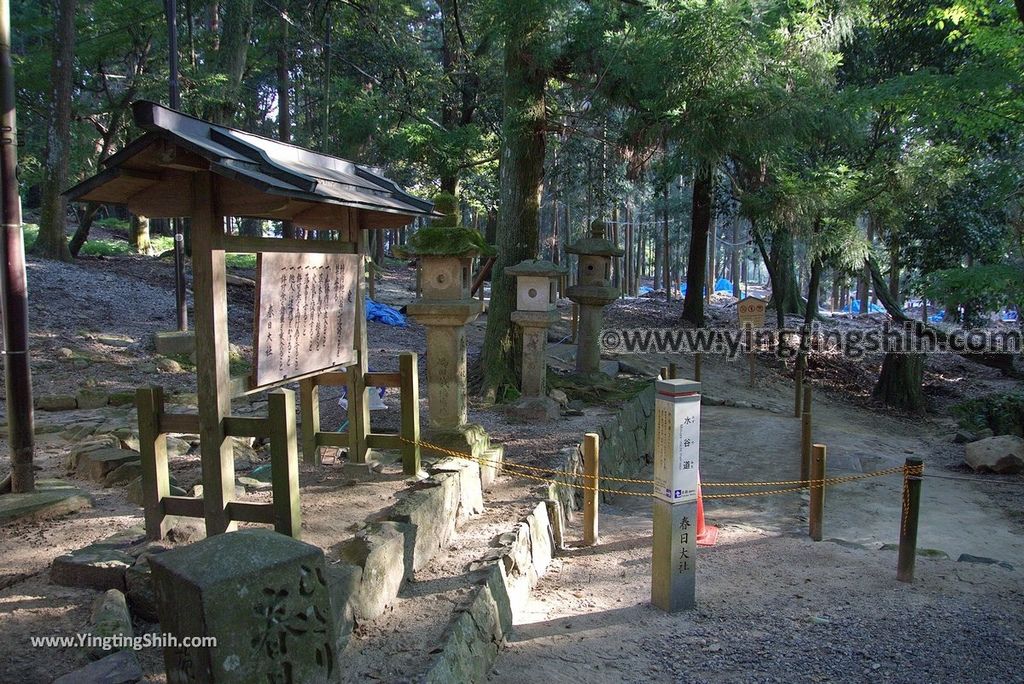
x=96, y=465
x=51, y=498
x=118, y=668
x=96, y=566
x=171, y=343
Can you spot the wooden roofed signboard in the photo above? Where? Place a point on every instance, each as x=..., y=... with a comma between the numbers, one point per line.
x=750, y=311
x=304, y=315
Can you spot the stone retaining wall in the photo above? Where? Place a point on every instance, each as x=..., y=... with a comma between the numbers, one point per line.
x=472, y=642
x=626, y=445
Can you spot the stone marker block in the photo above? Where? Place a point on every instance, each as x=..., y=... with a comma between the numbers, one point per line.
x=118, y=668
x=262, y=595
x=378, y=552
x=540, y=537
x=95, y=465
x=97, y=567
x=51, y=498
x=342, y=583
x=471, y=497
x=174, y=342
x=110, y=620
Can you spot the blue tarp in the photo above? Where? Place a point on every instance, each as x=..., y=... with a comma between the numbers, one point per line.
x=722, y=285
x=1009, y=317
x=644, y=290
x=937, y=317
x=384, y=314
x=854, y=307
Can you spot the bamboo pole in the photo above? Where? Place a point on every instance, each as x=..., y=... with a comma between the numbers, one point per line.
x=591, y=470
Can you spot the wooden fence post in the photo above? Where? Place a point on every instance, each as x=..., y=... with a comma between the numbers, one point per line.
x=908, y=521
x=698, y=362
x=817, y=504
x=309, y=402
x=410, y=408
x=153, y=459
x=591, y=470
x=284, y=462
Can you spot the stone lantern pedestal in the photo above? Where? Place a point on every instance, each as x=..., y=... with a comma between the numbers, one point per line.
x=592, y=292
x=445, y=309
x=534, y=314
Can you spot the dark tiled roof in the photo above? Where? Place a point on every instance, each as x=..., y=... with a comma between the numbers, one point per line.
x=268, y=165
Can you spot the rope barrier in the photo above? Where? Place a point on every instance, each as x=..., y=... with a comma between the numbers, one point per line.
x=525, y=471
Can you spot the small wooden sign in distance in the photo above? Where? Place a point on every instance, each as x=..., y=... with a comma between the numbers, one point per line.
x=750, y=311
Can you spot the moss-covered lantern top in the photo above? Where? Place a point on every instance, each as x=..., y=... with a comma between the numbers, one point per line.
x=595, y=257
x=446, y=260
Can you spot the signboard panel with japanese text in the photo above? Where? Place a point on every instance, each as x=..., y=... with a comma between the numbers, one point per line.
x=305, y=314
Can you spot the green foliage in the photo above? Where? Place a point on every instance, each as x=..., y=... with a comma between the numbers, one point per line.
x=1001, y=413
x=240, y=261
x=114, y=225
x=989, y=286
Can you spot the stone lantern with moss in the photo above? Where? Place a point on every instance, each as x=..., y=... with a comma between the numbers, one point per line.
x=445, y=255
x=535, y=312
x=592, y=292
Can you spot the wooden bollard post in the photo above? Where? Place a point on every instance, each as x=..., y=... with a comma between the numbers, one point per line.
x=817, y=505
x=806, y=436
x=908, y=522
x=798, y=379
x=591, y=470
x=697, y=363
x=673, y=371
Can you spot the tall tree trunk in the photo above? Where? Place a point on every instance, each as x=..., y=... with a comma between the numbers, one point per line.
x=734, y=268
x=894, y=270
x=52, y=242
x=666, y=246
x=782, y=271
x=696, y=263
x=231, y=56
x=864, y=289
x=81, y=235
x=284, y=91
x=522, y=173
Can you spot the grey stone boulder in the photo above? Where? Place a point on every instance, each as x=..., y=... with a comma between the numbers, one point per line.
x=123, y=474
x=52, y=498
x=138, y=581
x=90, y=398
x=96, y=465
x=964, y=437
x=1001, y=454
x=432, y=509
x=342, y=583
x=133, y=490
x=378, y=554
x=121, y=667
x=96, y=567
x=110, y=620
x=56, y=402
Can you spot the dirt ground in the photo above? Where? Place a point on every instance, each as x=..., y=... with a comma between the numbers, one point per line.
x=773, y=605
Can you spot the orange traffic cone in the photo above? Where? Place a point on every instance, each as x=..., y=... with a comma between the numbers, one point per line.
x=707, y=535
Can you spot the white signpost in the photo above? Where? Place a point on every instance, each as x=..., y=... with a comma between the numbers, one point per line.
x=676, y=463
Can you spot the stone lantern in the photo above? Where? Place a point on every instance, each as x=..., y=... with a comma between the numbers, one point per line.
x=592, y=292
x=445, y=308
x=535, y=311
